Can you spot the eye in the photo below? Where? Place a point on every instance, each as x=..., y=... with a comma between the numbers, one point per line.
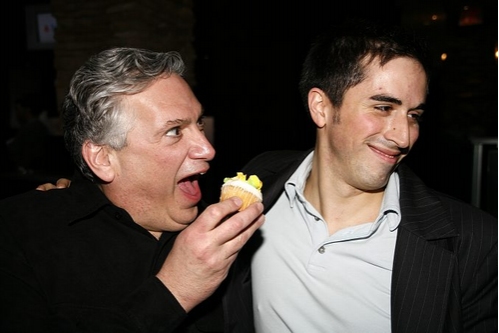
x=200, y=123
x=384, y=108
x=416, y=116
x=173, y=132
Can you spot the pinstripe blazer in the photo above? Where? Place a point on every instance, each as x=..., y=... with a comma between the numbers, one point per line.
x=445, y=266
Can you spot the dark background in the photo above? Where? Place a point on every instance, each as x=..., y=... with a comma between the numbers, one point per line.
x=247, y=68
x=248, y=78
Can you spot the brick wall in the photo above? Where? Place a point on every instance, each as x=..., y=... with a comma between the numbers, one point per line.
x=87, y=27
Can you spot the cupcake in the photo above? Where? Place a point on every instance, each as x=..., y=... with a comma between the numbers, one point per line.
x=248, y=189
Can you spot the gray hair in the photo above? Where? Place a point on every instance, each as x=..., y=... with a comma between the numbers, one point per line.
x=93, y=108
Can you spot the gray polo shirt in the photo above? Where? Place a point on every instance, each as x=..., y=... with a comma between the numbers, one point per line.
x=305, y=280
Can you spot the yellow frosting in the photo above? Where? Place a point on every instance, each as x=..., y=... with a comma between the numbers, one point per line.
x=252, y=180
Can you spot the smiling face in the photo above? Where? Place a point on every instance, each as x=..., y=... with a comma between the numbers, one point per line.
x=363, y=140
x=155, y=174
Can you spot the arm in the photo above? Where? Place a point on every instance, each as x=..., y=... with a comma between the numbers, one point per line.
x=23, y=306
x=480, y=295
x=196, y=266
x=476, y=249
x=193, y=270
x=27, y=306
x=204, y=251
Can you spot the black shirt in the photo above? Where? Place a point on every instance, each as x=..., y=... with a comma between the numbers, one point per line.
x=71, y=261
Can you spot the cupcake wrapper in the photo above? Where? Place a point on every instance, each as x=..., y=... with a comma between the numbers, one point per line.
x=233, y=191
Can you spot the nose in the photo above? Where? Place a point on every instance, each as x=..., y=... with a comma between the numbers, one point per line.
x=202, y=148
x=400, y=130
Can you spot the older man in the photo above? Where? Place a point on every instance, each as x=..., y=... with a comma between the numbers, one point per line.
x=106, y=254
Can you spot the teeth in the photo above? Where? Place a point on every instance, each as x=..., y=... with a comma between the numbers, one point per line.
x=202, y=173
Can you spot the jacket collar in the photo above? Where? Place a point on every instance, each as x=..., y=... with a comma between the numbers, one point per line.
x=275, y=178
x=418, y=203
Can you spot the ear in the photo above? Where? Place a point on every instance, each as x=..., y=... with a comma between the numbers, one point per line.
x=318, y=102
x=98, y=158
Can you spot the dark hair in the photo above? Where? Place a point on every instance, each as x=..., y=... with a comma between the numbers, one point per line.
x=338, y=57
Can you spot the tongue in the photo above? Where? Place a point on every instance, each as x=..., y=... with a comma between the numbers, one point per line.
x=190, y=187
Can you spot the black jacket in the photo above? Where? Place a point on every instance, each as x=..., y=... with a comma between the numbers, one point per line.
x=445, y=265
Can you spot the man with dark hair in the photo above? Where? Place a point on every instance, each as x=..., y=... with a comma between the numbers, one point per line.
x=353, y=240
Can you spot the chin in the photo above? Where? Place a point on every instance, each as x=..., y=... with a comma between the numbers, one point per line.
x=189, y=215
x=375, y=183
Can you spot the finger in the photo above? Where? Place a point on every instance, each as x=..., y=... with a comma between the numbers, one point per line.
x=233, y=246
x=238, y=223
x=45, y=187
x=63, y=183
x=216, y=213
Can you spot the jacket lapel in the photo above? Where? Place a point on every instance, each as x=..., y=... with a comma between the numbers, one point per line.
x=423, y=263
x=275, y=171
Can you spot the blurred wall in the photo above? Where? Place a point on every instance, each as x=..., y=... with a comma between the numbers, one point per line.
x=87, y=27
x=244, y=59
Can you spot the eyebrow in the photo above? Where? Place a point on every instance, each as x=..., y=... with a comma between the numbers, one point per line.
x=178, y=121
x=384, y=98
x=393, y=100
x=181, y=121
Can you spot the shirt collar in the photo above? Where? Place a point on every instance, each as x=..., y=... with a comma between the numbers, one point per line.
x=295, y=185
x=85, y=198
x=390, y=207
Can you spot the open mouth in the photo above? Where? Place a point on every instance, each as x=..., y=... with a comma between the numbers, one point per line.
x=190, y=185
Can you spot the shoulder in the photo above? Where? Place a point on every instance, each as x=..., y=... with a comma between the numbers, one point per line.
x=429, y=209
x=32, y=208
x=39, y=211
x=468, y=218
x=29, y=219
x=274, y=160
x=27, y=203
